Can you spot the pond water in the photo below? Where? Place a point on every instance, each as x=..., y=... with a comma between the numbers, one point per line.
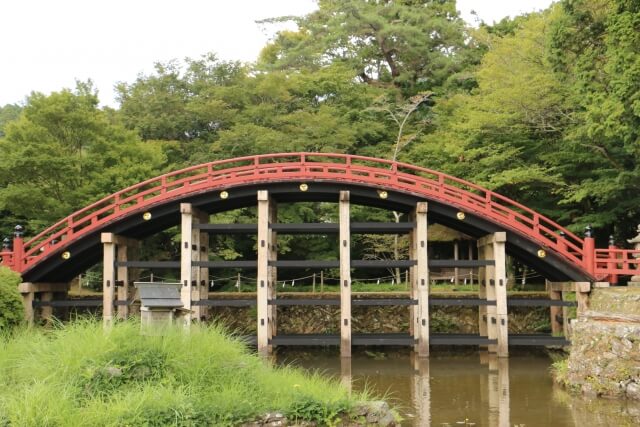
x=468, y=388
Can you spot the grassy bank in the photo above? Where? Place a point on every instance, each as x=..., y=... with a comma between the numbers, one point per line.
x=80, y=375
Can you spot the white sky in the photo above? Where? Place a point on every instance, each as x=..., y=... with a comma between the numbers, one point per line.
x=47, y=44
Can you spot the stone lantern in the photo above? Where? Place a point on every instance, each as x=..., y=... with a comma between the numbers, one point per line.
x=635, y=280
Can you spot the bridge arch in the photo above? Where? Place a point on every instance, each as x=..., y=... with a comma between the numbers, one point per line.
x=73, y=244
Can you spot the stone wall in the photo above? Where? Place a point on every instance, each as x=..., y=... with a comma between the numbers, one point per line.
x=605, y=352
x=387, y=319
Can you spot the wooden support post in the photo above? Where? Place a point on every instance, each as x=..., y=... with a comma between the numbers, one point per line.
x=413, y=287
x=122, y=279
x=422, y=279
x=582, y=297
x=321, y=281
x=486, y=248
x=500, y=284
x=555, y=311
x=456, y=256
x=471, y=257
x=313, y=284
x=186, y=260
x=345, y=274
x=483, y=318
x=46, y=311
x=27, y=301
x=108, y=277
x=262, y=293
x=273, y=271
x=565, y=319
x=200, y=252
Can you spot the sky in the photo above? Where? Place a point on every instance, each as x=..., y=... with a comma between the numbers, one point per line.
x=47, y=45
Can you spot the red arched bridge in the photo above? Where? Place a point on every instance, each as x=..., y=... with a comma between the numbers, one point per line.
x=71, y=245
x=105, y=229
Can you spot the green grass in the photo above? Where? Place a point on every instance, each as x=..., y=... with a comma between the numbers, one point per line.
x=81, y=375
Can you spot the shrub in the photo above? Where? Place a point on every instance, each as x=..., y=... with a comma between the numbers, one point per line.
x=11, y=309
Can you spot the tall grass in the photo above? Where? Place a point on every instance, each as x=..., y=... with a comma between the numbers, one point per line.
x=81, y=375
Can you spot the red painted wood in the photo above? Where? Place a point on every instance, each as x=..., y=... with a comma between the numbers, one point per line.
x=310, y=167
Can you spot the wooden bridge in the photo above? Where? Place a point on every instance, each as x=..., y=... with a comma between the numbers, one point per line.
x=107, y=228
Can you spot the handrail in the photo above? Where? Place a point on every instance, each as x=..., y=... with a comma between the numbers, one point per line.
x=457, y=192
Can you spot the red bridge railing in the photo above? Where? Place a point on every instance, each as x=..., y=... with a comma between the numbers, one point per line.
x=385, y=174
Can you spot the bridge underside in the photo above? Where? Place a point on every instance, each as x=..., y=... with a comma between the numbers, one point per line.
x=87, y=251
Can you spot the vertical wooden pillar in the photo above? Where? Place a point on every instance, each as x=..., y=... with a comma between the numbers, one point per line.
x=273, y=271
x=500, y=284
x=186, y=260
x=456, y=256
x=485, y=247
x=122, y=278
x=262, y=293
x=565, y=319
x=27, y=300
x=108, y=277
x=202, y=281
x=422, y=279
x=47, y=310
x=483, y=318
x=413, y=310
x=555, y=312
x=345, y=274
x=582, y=297
x=471, y=257
x=199, y=275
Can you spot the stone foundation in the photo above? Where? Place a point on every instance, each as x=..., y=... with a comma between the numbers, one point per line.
x=605, y=353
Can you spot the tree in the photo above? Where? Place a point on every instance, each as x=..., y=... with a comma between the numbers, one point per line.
x=412, y=45
x=62, y=153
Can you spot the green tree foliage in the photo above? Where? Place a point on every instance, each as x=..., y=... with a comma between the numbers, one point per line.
x=11, y=309
x=63, y=152
x=595, y=49
x=8, y=113
x=412, y=45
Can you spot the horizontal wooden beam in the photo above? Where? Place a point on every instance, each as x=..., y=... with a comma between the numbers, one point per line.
x=570, y=286
x=28, y=287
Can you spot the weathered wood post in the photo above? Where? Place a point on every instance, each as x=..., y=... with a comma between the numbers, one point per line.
x=115, y=275
x=190, y=274
x=483, y=318
x=108, y=277
x=122, y=281
x=273, y=270
x=456, y=257
x=200, y=252
x=422, y=279
x=500, y=283
x=262, y=284
x=555, y=311
x=345, y=373
x=413, y=289
x=493, y=248
x=345, y=274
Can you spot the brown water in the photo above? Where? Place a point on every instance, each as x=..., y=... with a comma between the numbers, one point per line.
x=469, y=389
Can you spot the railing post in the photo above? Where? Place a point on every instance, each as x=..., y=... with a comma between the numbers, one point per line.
x=589, y=251
x=18, y=248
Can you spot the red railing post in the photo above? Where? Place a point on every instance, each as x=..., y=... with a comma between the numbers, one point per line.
x=6, y=255
x=18, y=248
x=589, y=251
x=612, y=266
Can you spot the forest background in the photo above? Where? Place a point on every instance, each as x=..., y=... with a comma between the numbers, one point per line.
x=543, y=108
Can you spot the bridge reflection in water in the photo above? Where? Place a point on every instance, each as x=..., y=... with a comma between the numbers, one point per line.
x=474, y=389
